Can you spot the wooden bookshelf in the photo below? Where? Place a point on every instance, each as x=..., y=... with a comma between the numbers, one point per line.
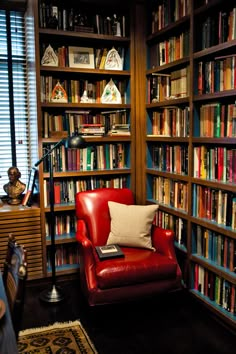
x=197, y=199
x=81, y=25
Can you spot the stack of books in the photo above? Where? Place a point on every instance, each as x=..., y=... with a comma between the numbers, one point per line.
x=119, y=129
x=92, y=129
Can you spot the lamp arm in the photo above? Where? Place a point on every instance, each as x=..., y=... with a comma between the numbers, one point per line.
x=49, y=152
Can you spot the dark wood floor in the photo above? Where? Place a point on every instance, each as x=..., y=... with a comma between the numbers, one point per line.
x=171, y=324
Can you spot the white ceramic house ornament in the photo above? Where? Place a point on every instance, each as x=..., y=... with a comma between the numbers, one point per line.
x=59, y=94
x=113, y=60
x=111, y=93
x=84, y=98
x=49, y=58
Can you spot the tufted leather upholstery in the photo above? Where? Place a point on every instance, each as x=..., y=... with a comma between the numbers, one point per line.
x=140, y=273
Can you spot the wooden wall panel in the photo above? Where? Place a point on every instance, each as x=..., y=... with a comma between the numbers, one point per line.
x=25, y=225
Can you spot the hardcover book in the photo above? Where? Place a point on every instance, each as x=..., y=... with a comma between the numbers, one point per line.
x=27, y=200
x=109, y=251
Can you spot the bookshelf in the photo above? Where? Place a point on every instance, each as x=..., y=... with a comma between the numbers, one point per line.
x=190, y=141
x=80, y=90
x=212, y=224
x=168, y=79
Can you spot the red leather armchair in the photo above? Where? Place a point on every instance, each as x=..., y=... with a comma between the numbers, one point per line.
x=140, y=273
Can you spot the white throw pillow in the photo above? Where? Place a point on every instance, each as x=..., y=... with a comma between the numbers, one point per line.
x=131, y=225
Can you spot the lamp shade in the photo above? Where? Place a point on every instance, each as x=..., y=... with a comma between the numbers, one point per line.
x=76, y=141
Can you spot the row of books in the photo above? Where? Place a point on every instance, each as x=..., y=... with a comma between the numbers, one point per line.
x=64, y=255
x=93, y=157
x=92, y=183
x=217, y=163
x=70, y=121
x=65, y=224
x=158, y=88
x=174, y=48
x=162, y=87
x=74, y=19
x=65, y=190
x=167, y=12
x=215, y=247
x=170, y=192
x=170, y=158
x=172, y=222
x=218, y=28
x=171, y=121
x=75, y=90
x=217, y=120
x=91, y=130
x=215, y=288
x=215, y=205
x=217, y=75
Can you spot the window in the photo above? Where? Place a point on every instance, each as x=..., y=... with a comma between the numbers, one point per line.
x=16, y=146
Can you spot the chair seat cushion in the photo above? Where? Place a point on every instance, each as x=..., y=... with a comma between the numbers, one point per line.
x=138, y=266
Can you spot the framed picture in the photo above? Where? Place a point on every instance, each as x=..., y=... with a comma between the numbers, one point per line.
x=81, y=57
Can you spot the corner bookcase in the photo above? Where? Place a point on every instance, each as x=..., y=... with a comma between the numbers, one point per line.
x=108, y=159
x=190, y=141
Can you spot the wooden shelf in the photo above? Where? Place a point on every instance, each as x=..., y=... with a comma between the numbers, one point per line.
x=101, y=72
x=84, y=106
x=196, y=228
x=82, y=35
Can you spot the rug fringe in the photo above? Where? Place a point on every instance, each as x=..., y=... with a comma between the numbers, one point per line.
x=88, y=338
x=47, y=328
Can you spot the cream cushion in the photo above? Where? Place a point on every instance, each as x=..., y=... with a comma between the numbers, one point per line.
x=131, y=225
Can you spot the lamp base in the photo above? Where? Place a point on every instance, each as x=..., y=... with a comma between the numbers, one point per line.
x=52, y=295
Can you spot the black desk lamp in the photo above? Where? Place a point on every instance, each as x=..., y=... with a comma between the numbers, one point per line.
x=55, y=294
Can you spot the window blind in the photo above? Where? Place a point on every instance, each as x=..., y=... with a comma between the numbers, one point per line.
x=14, y=117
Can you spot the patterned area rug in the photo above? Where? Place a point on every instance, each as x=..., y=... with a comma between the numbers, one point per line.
x=59, y=338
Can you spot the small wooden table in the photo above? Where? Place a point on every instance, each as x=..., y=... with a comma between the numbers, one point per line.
x=8, y=344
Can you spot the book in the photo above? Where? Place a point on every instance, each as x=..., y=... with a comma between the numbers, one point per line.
x=92, y=129
x=109, y=251
x=57, y=192
x=27, y=200
x=103, y=58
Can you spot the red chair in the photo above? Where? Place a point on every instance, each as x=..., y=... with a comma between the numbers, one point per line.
x=141, y=272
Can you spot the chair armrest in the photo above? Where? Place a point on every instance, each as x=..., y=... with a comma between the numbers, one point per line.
x=163, y=241
x=82, y=234
x=86, y=255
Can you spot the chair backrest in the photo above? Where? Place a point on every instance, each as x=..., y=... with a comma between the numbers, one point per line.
x=14, y=278
x=92, y=207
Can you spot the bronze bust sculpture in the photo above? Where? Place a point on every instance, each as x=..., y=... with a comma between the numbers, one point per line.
x=14, y=188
